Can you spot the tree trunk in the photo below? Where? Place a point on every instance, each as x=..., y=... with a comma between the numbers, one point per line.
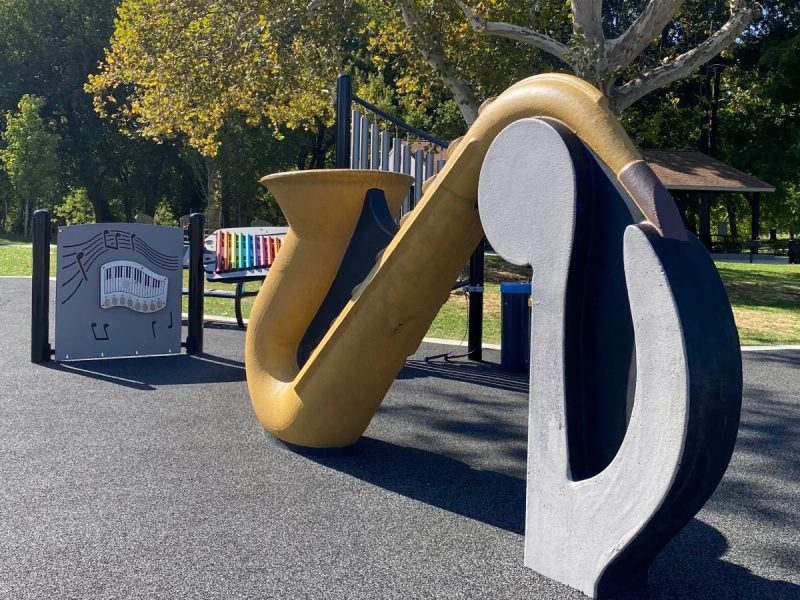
x=591, y=55
x=434, y=55
x=322, y=143
x=102, y=213
x=25, y=218
x=730, y=207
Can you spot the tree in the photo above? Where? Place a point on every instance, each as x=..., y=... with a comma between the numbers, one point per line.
x=609, y=62
x=30, y=157
x=606, y=41
x=405, y=40
x=48, y=48
x=76, y=208
x=179, y=69
x=743, y=109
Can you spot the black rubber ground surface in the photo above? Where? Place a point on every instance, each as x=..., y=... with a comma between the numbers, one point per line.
x=151, y=478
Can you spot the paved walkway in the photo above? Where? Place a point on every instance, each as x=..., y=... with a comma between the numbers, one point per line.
x=766, y=259
x=150, y=478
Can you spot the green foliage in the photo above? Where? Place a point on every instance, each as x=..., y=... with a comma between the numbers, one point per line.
x=164, y=214
x=178, y=69
x=76, y=208
x=30, y=157
x=390, y=71
x=758, y=122
x=761, y=122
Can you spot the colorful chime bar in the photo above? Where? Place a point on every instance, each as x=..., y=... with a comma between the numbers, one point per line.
x=242, y=251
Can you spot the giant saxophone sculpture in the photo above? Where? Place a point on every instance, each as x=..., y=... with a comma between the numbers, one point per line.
x=332, y=398
x=633, y=414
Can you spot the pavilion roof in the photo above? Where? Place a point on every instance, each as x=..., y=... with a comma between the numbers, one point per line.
x=686, y=170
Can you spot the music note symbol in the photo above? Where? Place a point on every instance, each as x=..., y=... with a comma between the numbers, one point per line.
x=170, y=320
x=78, y=260
x=153, y=325
x=105, y=332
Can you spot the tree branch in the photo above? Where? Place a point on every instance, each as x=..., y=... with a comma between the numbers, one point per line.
x=681, y=66
x=656, y=15
x=587, y=20
x=517, y=33
x=433, y=53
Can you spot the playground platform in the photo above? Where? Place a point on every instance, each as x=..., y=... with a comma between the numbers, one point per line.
x=151, y=478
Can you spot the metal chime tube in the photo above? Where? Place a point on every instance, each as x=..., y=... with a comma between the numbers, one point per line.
x=385, y=139
x=406, y=155
x=397, y=156
x=364, y=162
x=375, y=146
x=419, y=165
x=355, y=156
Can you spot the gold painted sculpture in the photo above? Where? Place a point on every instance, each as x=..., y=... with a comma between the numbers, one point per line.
x=330, y=400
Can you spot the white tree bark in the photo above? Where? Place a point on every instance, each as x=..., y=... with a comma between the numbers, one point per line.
x=681, y=66
x=433, y=53
x=599, y=60
x=647, y=27
x=520, y=34
x=587, y=20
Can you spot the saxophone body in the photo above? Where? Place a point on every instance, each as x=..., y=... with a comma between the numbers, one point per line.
x=329, y=399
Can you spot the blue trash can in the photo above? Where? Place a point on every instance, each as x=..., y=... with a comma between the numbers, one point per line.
x=515, y=326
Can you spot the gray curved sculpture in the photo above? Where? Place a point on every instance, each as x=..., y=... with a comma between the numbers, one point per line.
x=635, y=362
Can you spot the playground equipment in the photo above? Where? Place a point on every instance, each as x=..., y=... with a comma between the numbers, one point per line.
x=241, y=252
x=387, y=318
x=138, y=267
x=362, y=143
x=636, y=372
x=118, y=290
x=239, y=255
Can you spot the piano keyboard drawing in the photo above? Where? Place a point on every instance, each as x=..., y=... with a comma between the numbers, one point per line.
x=83, y=255
x=131, y=285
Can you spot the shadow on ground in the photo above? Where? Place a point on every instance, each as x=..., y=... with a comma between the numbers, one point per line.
x=480, y=373
x=148, y=373
x=487, y=496
x=691, y=562
x=696, y=564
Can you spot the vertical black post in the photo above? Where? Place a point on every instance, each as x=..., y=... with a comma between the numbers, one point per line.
x=713, y=126
x=755, y=227
x=705, y=220
x=344, y=100
x=40, y=288
x=475, y=310
x=194, y=339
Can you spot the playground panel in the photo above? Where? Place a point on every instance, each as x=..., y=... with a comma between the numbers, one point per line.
x=118, y=291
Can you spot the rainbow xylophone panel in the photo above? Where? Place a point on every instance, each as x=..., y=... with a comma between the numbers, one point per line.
x=237, y=251
x=241, y=252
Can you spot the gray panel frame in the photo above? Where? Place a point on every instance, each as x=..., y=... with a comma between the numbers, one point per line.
x=85, y=330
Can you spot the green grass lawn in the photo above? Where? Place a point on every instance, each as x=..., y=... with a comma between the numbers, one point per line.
x=765, y=298
x=13, y=238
